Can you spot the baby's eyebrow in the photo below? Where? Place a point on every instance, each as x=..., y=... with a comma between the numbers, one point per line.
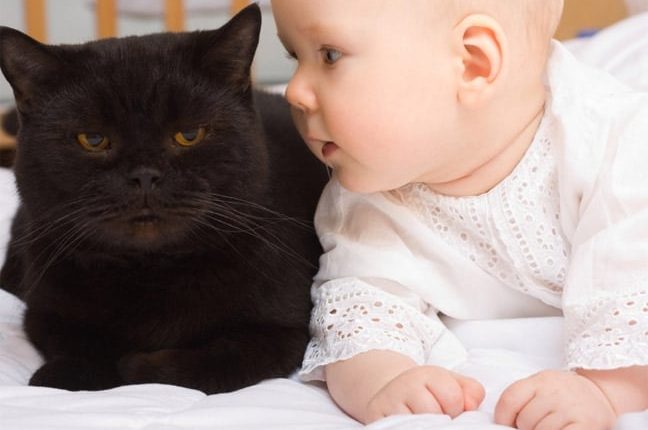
x=315, y=28
x=313, y=32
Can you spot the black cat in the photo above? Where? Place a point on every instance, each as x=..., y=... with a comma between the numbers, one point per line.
x=164, y=231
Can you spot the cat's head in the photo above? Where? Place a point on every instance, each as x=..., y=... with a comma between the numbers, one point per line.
x=131, y=139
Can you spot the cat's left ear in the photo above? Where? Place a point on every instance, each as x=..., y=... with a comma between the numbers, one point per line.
x=27, y=64
x=227, y=53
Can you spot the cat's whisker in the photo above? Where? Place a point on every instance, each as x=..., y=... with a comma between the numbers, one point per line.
x=70, y=221
x=251, y=221
x=71, y=238
x=236, y=225
x=253, y=218
x=224, y=238
x=226, y=219
x=35, y=231
x=231, y=200
x=205, y=226
x=257, y=230
x=65, y=242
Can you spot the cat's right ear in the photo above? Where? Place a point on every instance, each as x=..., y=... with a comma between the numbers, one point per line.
x=229, y=51
x=27, y=64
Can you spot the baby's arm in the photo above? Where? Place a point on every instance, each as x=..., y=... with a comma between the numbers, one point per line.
x=370, y=325
x=626, y=388
x=377, y=384
x=585, y=399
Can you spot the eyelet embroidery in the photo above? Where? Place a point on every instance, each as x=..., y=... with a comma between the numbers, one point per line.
x=608, y=332
x=351, y=317
x=511, y=232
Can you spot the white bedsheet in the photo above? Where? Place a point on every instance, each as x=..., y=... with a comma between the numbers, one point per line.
x=500, y=352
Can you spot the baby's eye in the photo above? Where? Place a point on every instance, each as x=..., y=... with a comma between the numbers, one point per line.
x=330, y=55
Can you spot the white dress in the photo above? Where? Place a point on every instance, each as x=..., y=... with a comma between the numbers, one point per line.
x=566, y=231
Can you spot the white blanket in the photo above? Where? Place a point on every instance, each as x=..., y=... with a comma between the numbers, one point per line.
x=500, y=352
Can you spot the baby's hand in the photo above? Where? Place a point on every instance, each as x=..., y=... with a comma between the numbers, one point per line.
x=554, y=400
x=425, y=389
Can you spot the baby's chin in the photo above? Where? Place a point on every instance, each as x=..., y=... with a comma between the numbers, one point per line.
x=365, y=184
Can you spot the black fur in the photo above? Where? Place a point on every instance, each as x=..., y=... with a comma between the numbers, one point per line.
x=149, y=261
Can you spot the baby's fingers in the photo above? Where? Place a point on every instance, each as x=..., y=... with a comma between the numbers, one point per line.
x=513, y=400
x=448, y=393
x=473, y=392
x=424, y=403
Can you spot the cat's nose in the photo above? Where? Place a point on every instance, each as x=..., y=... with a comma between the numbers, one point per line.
x=144, y=178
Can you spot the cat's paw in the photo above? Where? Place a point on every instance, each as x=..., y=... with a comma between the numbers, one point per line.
x=75, y=375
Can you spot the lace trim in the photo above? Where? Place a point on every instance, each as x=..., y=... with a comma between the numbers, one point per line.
x=608, y=333
x=513, y=231
x=351, y=317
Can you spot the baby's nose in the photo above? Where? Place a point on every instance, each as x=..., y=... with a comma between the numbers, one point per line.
x=300, y=94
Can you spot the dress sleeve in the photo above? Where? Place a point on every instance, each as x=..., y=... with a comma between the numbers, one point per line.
x=361, y=294
x=605, y=301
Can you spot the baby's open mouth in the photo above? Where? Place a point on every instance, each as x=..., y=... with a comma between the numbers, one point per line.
x=328, y=149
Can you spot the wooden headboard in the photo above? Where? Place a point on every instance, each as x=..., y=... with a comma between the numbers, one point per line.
x=106, y=16
x=585, y=15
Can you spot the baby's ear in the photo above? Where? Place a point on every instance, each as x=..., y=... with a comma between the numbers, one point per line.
x=483, y=49
x=27, y=64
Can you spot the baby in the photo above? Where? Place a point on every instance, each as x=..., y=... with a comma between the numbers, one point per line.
x=480, y=172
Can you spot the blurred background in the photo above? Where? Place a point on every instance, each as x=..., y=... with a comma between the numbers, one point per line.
x=73, y=21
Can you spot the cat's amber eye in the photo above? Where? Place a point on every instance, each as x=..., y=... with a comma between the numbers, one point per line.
x=93, y=142
x=190, y=137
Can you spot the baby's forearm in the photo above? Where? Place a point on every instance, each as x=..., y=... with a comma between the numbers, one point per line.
x=626, y=388
x=354, y=382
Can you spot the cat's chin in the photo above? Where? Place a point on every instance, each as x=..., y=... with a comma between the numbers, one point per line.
x=143, y=233
x=146, y=231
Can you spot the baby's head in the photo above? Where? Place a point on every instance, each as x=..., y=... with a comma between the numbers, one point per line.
x=389, y=93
